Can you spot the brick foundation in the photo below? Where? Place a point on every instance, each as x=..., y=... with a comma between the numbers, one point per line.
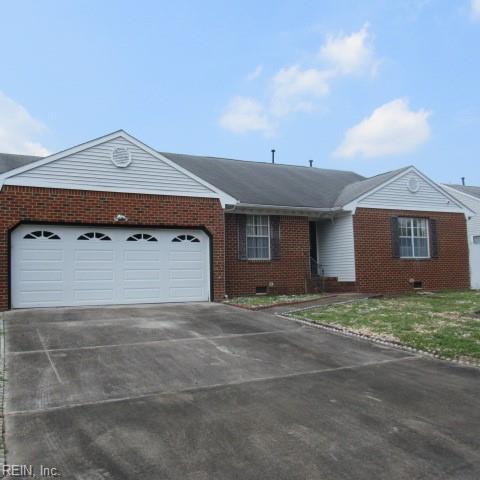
x=20, y=204
x=288, y=273
x=378, y=271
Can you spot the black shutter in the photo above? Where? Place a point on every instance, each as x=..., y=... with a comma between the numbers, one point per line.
x=432, y=225
x=394, y=223
x=275, y=237
x=242, y=236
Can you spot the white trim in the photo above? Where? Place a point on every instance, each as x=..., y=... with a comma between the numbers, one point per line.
x=461, y=207
x=258, y=236
x=223, y=196
x=73, y=186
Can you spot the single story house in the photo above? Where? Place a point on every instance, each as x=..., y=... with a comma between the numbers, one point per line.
x=470, y=196
x=114, y=221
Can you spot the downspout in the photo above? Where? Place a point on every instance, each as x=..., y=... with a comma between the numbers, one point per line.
x=225, y=211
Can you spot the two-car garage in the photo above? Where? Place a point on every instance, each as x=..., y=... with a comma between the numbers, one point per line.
x=55, y=265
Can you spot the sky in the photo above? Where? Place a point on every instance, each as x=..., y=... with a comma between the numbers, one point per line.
x=365, y=86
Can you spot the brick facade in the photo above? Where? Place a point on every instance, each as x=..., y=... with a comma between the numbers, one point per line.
x=43, y=205
x=378, y=271
x=288, y=273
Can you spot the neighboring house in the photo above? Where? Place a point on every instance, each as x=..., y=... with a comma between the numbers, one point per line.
x=115, y=221
x=470, y=196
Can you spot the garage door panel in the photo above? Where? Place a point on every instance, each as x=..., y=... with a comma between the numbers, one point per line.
x=89, y=294
x=90, y=274
x=89, y=255
x=67, y=271
x=142, y=294
x=186, y=274
x=186, y=293
x=41, y=255
x=41, y=275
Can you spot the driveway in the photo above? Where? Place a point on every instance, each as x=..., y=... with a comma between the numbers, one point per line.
x=207, y=391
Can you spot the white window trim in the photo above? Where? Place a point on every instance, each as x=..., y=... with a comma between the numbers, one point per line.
x=412, y=237
x=247, y=236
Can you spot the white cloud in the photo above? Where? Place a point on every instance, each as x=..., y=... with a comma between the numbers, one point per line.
x=245, y=114
x=475, y=9
x=254, y=74
x=295, y=89
x=350, y=53
x=391, y=129
x=298, y=88
x=18, y=129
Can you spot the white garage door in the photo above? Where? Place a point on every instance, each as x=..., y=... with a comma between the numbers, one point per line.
x=62, y=266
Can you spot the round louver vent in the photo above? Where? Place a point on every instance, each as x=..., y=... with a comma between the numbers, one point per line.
x=413, y=185
x=121, y=157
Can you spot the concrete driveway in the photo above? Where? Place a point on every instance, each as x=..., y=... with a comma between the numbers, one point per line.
x=206, y=391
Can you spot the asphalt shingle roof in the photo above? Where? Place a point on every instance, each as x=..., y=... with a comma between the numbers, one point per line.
x=470, y=190
x=261, y=183
x=356, y=189
x=10, y=161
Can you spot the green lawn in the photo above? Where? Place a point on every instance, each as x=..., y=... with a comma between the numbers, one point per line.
x=256, y=301
x=445, y=323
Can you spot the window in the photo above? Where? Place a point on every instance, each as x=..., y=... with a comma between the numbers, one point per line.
x=476, y=239
x=186, y=238
x=138, y=237
x=258, y=237
x=42, y=234
x=414, y=240
x=93, y=236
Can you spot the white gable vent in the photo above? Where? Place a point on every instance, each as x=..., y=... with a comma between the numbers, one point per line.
x=413, y=184
x=121, y=157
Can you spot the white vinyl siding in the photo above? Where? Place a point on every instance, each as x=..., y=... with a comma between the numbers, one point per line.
x=335, y=248
x=396, y=195
x=258, y=237
x=473, y=225
x=93, y=169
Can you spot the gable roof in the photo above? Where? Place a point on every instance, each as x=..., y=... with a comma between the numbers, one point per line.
x=357, y=189
x=469, y=190
x=247, y=183
x=11, y=161
x=260, y=183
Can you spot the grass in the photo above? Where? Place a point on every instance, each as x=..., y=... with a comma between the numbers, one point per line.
x=444, y=323
x=258, y=301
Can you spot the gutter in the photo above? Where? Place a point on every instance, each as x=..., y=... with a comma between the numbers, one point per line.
x=282, y=208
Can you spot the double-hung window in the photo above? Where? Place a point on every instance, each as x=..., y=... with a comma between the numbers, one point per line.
x=258, y=237
x=414, y=237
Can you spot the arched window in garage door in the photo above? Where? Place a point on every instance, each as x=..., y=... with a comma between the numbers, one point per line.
x=186, y=238
x=139, y=237
x=93, y=236
x=42, y=234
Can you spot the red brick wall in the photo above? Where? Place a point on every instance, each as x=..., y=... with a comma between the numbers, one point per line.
x=42, y=205
x=287, y=273
x=378, y=271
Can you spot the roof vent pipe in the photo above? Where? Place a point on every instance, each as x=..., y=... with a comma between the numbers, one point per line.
x=273, y=155
x=463, y=181
x=311, y=163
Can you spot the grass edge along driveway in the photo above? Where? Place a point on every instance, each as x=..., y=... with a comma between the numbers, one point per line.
x=443, y=323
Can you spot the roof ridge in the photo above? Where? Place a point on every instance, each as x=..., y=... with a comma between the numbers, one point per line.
x=259, y=162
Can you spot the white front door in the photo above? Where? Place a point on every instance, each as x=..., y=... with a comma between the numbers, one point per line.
x=475, y=261
x=63, y=266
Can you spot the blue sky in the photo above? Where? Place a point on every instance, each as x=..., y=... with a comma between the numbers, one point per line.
x=366, y=86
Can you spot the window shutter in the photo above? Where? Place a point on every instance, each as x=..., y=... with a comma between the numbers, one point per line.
x=394, y=223
x=242, y=236
x=275, y=237
x=432, y=226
